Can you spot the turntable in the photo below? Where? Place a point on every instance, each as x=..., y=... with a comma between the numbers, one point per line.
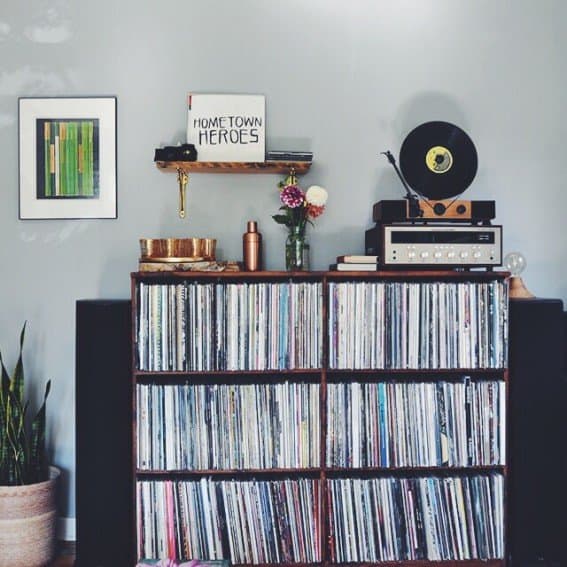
x=432, y=226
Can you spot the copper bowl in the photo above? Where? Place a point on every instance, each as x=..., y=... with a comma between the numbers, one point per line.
x=177, y=248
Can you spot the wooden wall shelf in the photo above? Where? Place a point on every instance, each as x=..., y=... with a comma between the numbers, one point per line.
x=283, y=167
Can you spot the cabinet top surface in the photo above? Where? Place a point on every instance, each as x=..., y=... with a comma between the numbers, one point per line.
x=316, y=275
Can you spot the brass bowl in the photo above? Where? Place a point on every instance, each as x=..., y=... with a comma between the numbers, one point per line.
x=186, y=248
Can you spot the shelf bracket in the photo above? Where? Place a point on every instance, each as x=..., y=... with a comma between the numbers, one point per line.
x=291, y=179
x=183, y=180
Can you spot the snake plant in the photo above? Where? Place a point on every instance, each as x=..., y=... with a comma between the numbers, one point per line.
x=23, y=459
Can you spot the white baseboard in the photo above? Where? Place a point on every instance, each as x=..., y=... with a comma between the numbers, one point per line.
x=66, y=529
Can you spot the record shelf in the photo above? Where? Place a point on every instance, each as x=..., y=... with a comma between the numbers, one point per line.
x=321, y=418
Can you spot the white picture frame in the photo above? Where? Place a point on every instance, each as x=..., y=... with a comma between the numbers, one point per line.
x=67, y=157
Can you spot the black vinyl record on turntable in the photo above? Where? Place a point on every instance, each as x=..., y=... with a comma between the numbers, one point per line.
x=438, y=160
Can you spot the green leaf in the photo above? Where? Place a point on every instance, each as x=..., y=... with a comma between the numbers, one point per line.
x=281, y=219
x=3, y=447
x=5, y=455
x=38, y=459
x=18, y=376
x=5, y=380
x=16, y=440
x=23, y=458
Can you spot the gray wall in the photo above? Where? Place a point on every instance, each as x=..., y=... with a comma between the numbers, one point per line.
x=344, y=79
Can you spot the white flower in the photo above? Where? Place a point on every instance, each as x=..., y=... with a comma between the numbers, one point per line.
x=316, y=195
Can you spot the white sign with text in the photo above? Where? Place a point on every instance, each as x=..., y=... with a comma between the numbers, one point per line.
x=227, y=127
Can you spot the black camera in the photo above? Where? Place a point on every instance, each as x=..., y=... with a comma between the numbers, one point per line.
x=182, y=152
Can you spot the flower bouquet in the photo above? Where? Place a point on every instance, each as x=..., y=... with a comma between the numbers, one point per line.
x=298, y=208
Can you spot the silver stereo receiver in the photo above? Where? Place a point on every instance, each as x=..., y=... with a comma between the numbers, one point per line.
x=435, y=245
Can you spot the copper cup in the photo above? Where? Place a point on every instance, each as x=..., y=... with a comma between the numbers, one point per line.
x=169, y=247
x=178, y=248
x=153, y=247
x=145, y=247
x=193, y=247
x=209, y=246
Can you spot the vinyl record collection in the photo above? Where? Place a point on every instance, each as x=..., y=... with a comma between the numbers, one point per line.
x=249, y=326
x=434, y=518
x=321, y=419
x=416, y=424
x=228, y=426
x=437, y=325
x=280, y=517
x=273, y=521
x=178, y=520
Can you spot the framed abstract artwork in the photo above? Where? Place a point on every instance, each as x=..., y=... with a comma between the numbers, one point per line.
x=67, y=149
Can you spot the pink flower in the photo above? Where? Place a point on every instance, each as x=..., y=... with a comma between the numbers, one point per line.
x=315, y=211
x=292, y=196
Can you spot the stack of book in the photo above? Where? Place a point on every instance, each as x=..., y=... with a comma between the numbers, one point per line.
x=355, y=263
x=288, y=155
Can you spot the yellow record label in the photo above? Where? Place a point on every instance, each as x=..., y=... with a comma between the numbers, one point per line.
x=439, y=159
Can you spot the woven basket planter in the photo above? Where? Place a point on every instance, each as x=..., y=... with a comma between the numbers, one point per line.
x=27, y=523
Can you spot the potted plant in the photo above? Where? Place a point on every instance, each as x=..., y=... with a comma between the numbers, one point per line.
x=27, y=483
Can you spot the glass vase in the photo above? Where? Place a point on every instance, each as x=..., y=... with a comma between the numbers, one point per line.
x=296, y=251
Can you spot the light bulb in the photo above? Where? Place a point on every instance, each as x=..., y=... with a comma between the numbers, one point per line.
x=515, y=263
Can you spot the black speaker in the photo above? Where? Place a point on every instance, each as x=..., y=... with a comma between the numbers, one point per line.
x=104, y=485
x=537, y=494
x=390, y=211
